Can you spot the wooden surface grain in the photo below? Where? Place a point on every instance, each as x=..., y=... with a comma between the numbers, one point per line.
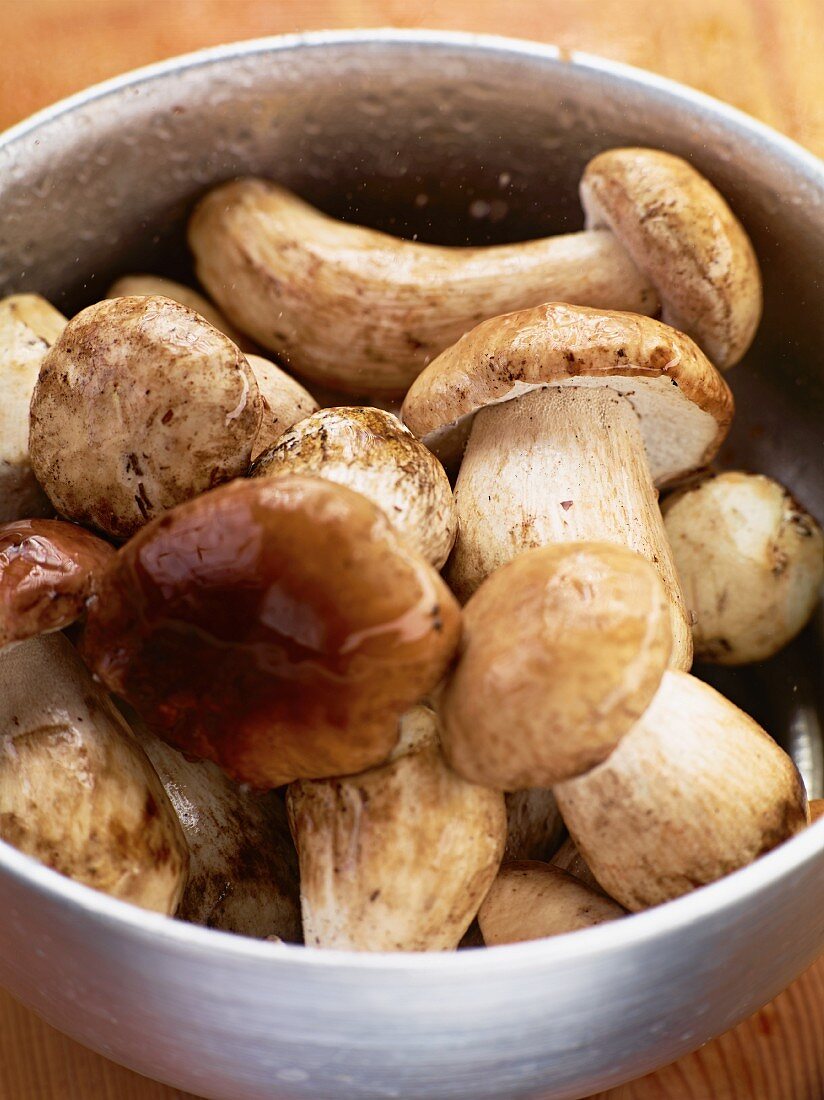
x=763, y=56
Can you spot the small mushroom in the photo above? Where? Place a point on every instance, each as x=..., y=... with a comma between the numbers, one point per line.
x=140, y=405
x=285, y=402
x=398, y=858
x=48, y=571
x=694, y=791
x=278, y=627
x=363, y=311
x=572, y=417
x=76, y=790
x=530, y=900
x=569, y=859
x=243, y=874
x=372, y=452
x=28, y=328
x=563, y=650
x=751, y=564
x=534, y=824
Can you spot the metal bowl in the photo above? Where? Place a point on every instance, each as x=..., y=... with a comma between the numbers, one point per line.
x=458, y=139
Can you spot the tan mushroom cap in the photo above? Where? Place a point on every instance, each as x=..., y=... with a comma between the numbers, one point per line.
x=816, y=809
x=370, y=451
x=277, y=627
x=285, y=402
x=530, y=900
x=682, y=402
x=48, y=571
x=400, y=857
x=569, y=859
x=563, y=649
x=751, y=563
x=140, y=404
x=28, y=328
x=683, y=236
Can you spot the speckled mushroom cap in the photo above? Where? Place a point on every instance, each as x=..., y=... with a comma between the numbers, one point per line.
x=683, y=236
x=683, y=404
x=277, y=627
x=285, y=402
x=48, y=570
x=371, y=451
x=140, y=404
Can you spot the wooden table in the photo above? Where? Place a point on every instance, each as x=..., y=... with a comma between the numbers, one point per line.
x=764, y=56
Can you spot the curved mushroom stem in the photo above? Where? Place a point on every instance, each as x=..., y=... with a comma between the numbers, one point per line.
x=564, y=464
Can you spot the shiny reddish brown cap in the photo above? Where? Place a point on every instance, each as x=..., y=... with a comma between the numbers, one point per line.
x=278, y=627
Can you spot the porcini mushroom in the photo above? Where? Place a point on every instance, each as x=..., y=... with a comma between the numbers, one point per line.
x=563, y=649
x=751, y=564
x=151, y=286
x=76, y=790
x=363, y=311
x=278, y=627
x=28, y=328
x=371, y=451
x=573, y=417
x=285, y=402
x=534, y=826
x=243, y=874
x=140, y=404
x=569, y=859
x=530, y=900
x=400, y=857
x=48, y=571
x=693, y=792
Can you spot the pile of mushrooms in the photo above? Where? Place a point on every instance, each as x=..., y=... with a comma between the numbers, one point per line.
x=410, y=677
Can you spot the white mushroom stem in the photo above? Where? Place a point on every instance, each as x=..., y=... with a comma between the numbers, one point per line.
x=562, y=464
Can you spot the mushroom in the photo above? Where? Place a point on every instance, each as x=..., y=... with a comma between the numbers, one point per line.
x=569, y=859
x=140, y=405
x=285, y=402
x=400, y=857
x=563, y=649
x=48, y=571
x=816, y=810
x=751, y=564
x=28, y=328
x=530, y=900
x=372, y=452
x=243, y=874
x=76, y=790
x=572, y=418
x=278, y=627
x=152, y=286
x=534, y=824
x=363, y=311
x=694, y=791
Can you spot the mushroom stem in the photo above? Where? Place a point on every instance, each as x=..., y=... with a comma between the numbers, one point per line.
x=564, y=464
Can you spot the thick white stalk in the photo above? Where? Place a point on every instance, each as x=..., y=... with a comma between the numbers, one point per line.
x=563, y=464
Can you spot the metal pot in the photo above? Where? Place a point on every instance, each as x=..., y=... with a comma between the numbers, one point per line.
x=455, y=138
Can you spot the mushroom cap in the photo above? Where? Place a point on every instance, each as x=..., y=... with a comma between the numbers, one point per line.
x=48, y=571
x=167, y=406
x=563, y=649
x=751, y=564
x=285, y=402
x=569, y=859
x=28, y=328
x=277, y=627
x=369, y=450
x=683, y=236
x=816, y=809
x=683, y=404
x=76, y=790
x=397, y=858
x=530, y=900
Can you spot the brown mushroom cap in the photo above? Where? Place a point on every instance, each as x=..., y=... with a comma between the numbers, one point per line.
x=683, y=236
x=48, y=571
x=563, y=649
x=530, y=900
x=371, y=451
x=751, y=563
x=534, y=826
x=140, y=405
x=277, y=627
x=285, y=402
x=682, y=402
x=816, y=809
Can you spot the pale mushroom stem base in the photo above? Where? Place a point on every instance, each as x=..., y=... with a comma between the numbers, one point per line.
x=564, y=464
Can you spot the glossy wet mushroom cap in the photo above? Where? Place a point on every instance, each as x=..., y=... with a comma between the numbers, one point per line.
x=277, y=627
